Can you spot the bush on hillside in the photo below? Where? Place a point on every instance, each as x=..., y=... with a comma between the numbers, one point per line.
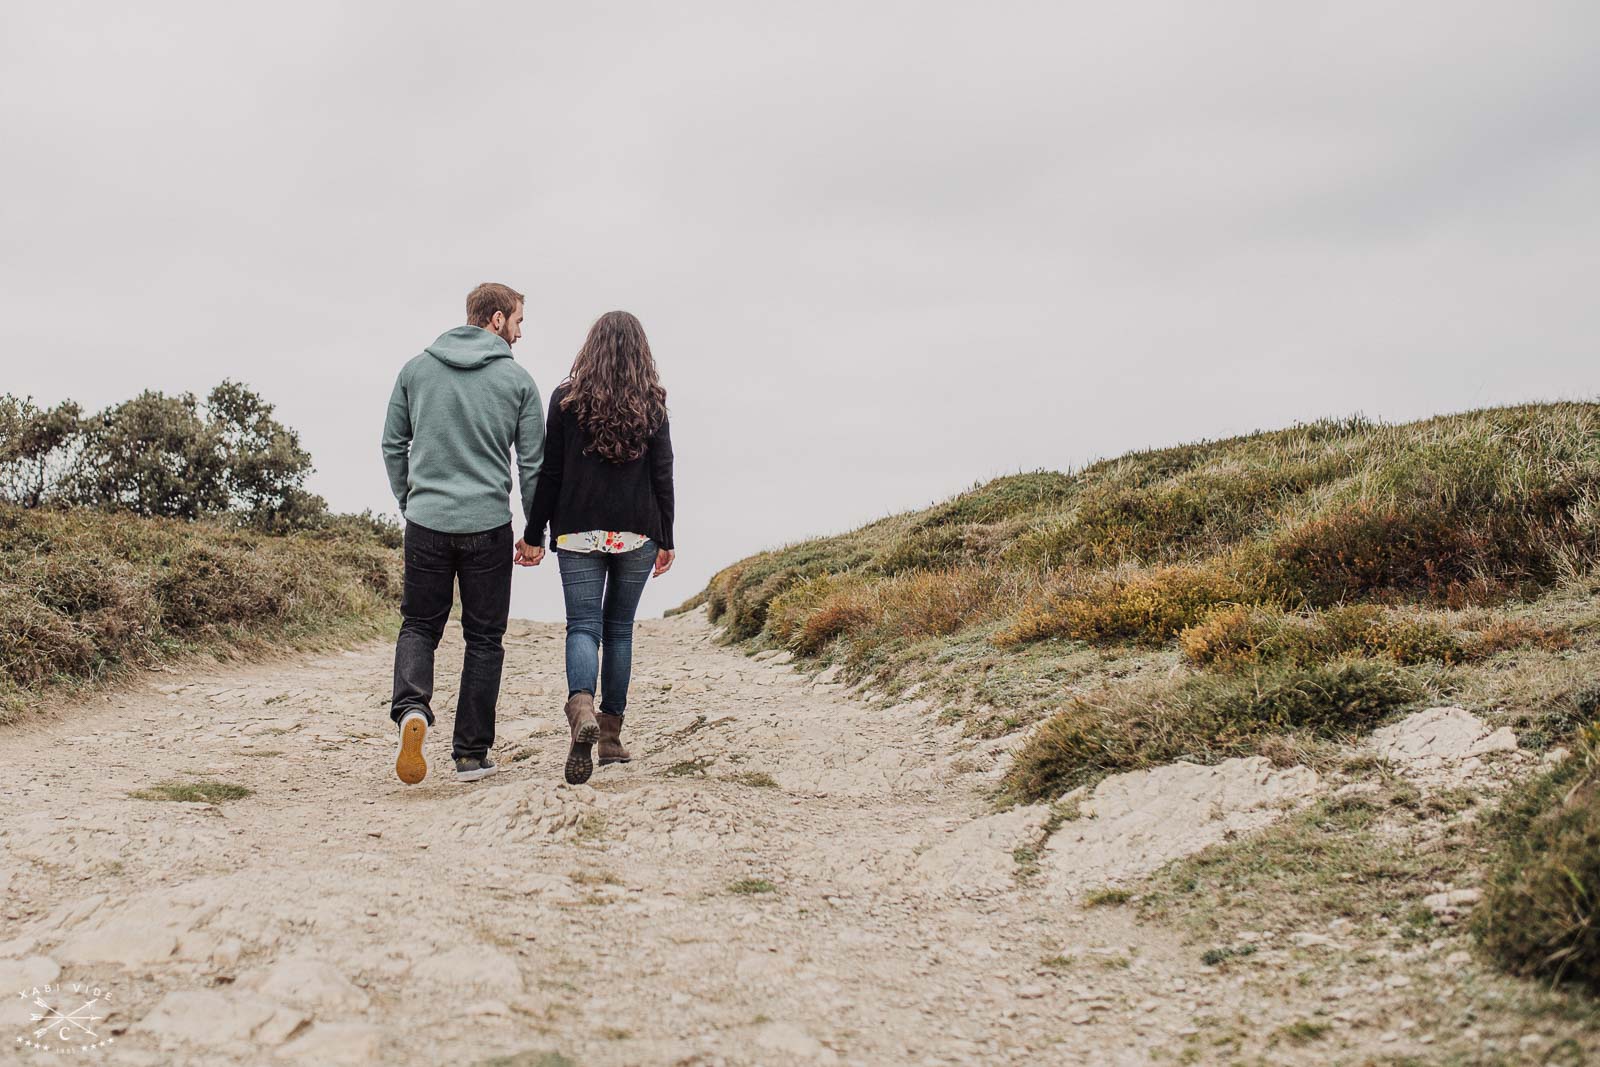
x=811, y=614
x=1239, y=636
x=84, y=594
x=1204, y=718
x=1145, y=606
x=1506, y=635
x=1540, y=915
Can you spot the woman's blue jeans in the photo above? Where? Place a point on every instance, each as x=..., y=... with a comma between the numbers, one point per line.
x=602, y=591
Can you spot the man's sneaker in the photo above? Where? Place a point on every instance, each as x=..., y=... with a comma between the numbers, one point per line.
x=410, y=765
x=470, y=768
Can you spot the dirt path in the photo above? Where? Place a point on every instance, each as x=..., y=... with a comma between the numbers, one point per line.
x=788, y=873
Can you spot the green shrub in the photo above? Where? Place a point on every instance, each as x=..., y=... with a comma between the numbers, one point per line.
x=932, y=548
x=1369, y=549
x=1149, y=606
x=1234, y=637
x=1231, y=637
x=936, y=603
x=812, y=613
x=1540, y=915
x=1203, y=718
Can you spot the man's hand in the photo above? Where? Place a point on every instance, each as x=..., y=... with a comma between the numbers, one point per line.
x=525, y=556
x=663, y=562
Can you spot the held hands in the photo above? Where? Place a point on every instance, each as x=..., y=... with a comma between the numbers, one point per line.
x=526, y=555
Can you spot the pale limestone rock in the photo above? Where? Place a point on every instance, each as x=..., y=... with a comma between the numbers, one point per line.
x=284, y=1024
x=1453, y=898
x=206, y=1017
x=1432, y=738
x=17, y=975
x=981, y=854
x=791, y=1040
x=195, y=945
x=337, y=1043
x=1133, y=823
x=226, y=954
x=16, y=948
x=125, y=943
x=1307, y=939
x=315, y=984
x=479, y=967
x=1502, y=740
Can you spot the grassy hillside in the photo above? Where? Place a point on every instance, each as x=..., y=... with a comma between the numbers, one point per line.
x=1275, y=593
x=86, y=596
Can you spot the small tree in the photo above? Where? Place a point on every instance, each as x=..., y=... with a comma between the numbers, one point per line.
x=152, y=455
x=264, y=466
x=161, y=455
x=36, y=447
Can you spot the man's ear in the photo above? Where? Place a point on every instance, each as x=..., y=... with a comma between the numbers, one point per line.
x=497, y=322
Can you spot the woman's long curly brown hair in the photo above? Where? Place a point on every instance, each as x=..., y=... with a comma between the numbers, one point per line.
x=613, y=389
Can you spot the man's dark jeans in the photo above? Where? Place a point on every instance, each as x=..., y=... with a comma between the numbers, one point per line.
x=434, y=563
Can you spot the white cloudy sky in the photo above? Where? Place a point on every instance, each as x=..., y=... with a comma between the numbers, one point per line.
x=883, y=250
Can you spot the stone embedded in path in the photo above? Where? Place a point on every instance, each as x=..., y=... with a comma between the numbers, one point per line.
x=790, y=1039
x=981, y=855
x=207, y=1017
x=1451, y=905
x=127, y=943
x=27, y=972
x=1134, y=823
x=17, y=976
x=311, y=983
x=337, y=1043
x=1437, y=736
x=478, y=966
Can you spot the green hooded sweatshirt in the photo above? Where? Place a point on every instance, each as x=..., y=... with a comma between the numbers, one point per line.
x=456, y=412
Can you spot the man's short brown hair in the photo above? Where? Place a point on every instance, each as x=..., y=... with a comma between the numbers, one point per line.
x=488, y=298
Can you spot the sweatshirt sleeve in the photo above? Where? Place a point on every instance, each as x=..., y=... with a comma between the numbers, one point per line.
x=397, y=443
x=542, y=508
x=530, y=448
x=661, y=479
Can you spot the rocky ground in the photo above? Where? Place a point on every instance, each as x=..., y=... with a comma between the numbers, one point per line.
x=789, y=872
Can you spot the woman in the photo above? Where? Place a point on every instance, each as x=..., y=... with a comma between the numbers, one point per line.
x=605, y=490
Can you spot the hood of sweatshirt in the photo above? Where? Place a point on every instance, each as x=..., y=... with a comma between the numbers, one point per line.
x=469, y=347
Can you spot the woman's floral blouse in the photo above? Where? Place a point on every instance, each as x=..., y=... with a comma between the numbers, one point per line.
x=601, y=541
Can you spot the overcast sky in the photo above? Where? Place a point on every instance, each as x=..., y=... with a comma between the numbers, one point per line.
x=883, y=250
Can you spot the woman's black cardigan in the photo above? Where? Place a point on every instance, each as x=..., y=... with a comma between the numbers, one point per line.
x=579, y=491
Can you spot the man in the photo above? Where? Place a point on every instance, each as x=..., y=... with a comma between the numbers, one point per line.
x=457, y=411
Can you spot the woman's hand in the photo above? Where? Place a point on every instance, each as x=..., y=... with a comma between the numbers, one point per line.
x=525, y=556
x=663, y=562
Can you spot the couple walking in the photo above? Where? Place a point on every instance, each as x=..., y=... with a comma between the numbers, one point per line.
x=597, y=471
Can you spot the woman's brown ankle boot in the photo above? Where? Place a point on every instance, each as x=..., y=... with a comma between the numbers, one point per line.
x=585, y=732
x=611, y=750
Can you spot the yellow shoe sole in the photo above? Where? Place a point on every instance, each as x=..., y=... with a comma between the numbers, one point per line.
x=411, y=766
